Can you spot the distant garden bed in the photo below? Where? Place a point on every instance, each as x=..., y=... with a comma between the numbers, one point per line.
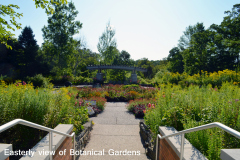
x=118, y=93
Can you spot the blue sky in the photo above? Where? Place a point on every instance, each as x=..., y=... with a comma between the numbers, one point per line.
x=144, y=28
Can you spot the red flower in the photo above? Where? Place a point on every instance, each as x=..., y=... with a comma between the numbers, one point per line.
x=149, y=105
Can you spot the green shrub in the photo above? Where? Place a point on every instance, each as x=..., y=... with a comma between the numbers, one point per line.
x=39, y=81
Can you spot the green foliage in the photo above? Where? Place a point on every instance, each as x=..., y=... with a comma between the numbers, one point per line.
x=2, y=77
x=28, y=61
x=107, y=45
x=213, y=49
x=121, y=59
x=8, y=10
x=48, y=4
x=206, y=78
x=58, y=36
x=5, y=34
x=145, y=63
x=39, y=81
x=175, y=60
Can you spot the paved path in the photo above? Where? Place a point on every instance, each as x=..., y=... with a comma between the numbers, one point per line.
x=115, y=131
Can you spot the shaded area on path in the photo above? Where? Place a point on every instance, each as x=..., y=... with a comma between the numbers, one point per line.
x=115, y=130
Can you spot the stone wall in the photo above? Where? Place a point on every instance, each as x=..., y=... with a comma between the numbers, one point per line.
x=83, y=138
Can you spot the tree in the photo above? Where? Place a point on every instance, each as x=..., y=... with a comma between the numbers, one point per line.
x=8, y=10
x=10, y=58
x=197, y=57
x=175, y=60
x=29, y=62
x=185, y=39
x=145, y=63
x=122, y=58
x=59, y=33
x=228, y=38
x=107, y=44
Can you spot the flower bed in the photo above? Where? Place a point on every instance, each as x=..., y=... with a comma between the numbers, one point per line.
x=118, y=93
x=140, y=106
x=79, y=101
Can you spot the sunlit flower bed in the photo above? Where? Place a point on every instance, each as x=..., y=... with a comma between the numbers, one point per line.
x=118, y=92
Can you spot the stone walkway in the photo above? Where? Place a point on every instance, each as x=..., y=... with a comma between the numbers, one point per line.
x=115, y=134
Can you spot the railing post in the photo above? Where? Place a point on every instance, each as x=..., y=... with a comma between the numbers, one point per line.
x=50, y=145
x=157, y=149
x=182, y=147
x=74, y=156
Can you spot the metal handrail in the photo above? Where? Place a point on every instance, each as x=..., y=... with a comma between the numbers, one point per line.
x=37, y=126
x=207, y=126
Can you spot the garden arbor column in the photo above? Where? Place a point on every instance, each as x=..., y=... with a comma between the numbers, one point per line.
x=99, y=75
x=134, y=76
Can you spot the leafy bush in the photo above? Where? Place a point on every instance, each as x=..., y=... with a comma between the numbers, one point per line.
x=2, y=77
x=39, y=81
x=60, y=80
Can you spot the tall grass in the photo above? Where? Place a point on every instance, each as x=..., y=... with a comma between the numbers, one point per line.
x=43, y=106
x=194, y=106
x=184, y=79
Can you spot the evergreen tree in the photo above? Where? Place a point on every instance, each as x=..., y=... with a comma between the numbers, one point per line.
x=28, y=59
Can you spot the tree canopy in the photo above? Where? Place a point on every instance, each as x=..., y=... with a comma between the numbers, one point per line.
x=6, y=27
x=58, y=35
x=107, y=44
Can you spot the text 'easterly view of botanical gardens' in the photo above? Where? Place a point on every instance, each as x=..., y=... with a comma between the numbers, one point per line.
x=67, y=93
